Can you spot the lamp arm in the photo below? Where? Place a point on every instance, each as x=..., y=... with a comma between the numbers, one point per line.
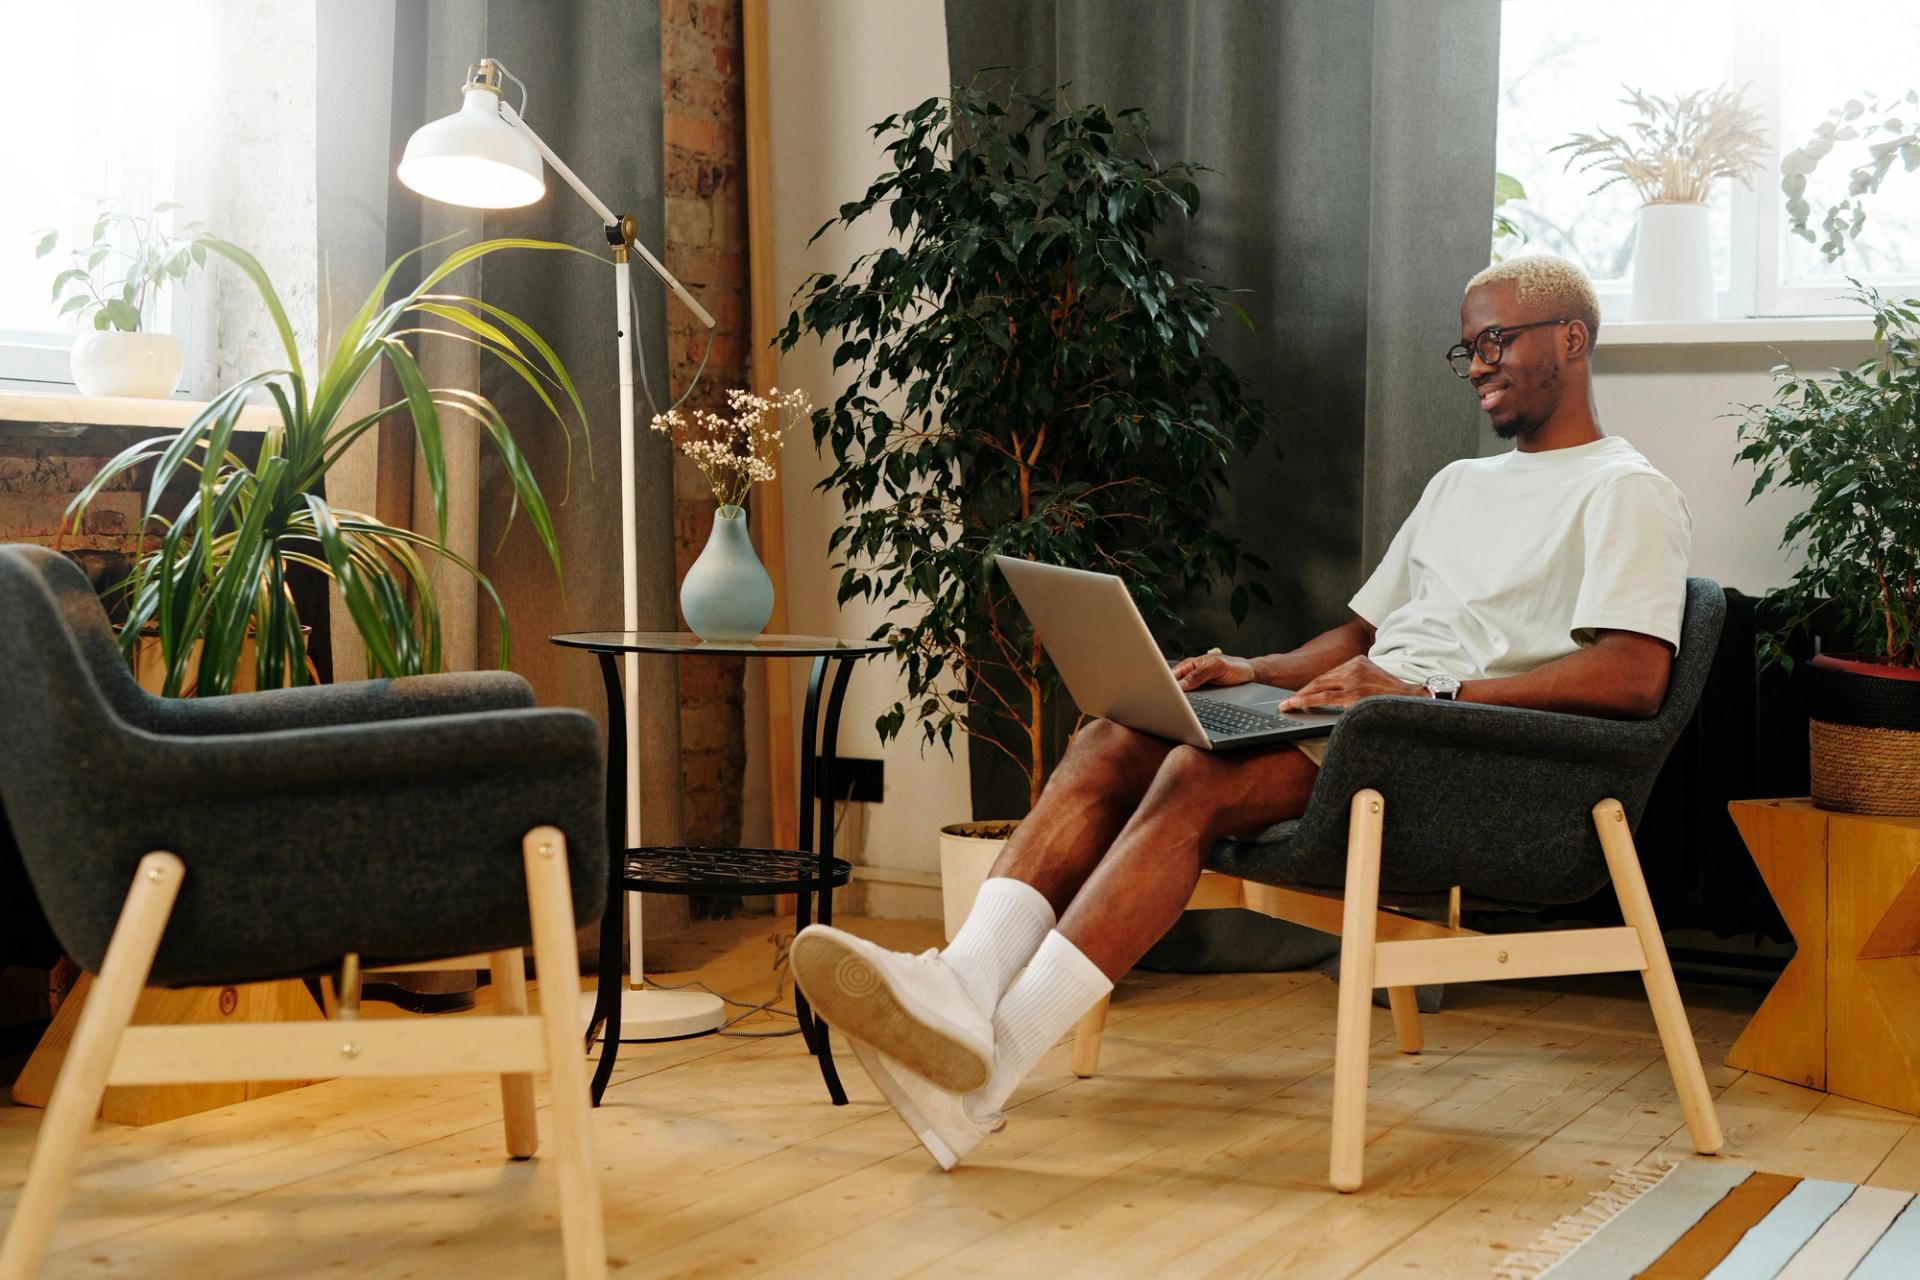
x=599, y=206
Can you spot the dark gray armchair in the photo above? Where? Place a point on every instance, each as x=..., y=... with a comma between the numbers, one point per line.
x=1419, y=803
x=286, y=834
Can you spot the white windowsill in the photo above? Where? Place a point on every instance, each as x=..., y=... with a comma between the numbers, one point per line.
x=1769, y=331
x=38, y=408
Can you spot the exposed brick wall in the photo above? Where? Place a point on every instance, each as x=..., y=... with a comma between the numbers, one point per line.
x=707, y=249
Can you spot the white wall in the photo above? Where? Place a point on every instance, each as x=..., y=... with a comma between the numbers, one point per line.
x=836, y=67
x=1672, y=404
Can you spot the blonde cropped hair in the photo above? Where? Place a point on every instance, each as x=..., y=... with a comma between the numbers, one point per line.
x=1555, y=282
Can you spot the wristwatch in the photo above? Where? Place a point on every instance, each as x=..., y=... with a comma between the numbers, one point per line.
x=1444, y=688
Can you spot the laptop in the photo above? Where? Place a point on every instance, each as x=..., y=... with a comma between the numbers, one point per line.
x=1096, y=637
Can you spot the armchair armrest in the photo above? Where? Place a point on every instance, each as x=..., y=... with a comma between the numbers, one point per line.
x=354, y=702
x=1422, y=725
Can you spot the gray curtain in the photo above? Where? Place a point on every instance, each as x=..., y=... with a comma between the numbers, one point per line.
x=1351, y=149
x=593, y=69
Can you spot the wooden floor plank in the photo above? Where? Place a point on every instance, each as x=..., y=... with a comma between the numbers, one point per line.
x=1199, y=1149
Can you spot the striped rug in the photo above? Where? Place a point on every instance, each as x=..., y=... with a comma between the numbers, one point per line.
x=1710, y=1220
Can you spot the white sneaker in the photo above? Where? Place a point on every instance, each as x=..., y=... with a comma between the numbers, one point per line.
x=913, y=1009
x=940, y=1120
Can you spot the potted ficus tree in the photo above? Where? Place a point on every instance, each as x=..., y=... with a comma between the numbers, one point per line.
x=1057, y=400
x=110, y=285
x=1849, y=442
x=212, y=587
x=1672, y=156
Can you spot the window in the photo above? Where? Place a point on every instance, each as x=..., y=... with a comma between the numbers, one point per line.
x=1562, y=68
x=94, y=89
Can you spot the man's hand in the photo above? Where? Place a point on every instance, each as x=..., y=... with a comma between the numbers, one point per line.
x=1346, y=684
x=1212, y=668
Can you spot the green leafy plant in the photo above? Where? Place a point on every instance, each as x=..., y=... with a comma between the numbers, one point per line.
x=1849, y=441
x=1506, y=188
x=89, y=289
x=218, y=571
x=1679, y=146
x=1895, y=124
x=1028, y=379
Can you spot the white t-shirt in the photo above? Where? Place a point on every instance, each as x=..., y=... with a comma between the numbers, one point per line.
x=1512, y=561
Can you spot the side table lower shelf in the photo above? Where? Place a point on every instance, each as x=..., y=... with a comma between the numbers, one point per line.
x=691, y=871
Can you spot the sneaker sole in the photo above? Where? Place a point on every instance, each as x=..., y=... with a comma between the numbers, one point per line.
x=853, y=995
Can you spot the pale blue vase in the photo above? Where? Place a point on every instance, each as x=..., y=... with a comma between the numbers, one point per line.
x=727, y=594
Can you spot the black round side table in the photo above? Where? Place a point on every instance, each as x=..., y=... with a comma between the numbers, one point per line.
x=804, y=872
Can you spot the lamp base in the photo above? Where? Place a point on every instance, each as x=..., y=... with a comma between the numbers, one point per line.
x=652, y=1013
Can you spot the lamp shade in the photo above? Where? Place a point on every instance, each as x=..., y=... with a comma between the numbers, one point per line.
x=473, y=157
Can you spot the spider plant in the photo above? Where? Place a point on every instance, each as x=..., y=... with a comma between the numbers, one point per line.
x=218, y=571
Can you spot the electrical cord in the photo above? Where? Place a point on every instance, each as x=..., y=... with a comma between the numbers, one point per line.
x=640, y=354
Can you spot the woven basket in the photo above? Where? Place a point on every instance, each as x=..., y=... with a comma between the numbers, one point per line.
x=1863, y=740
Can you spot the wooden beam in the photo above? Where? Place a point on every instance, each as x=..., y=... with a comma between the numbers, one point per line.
x=1316, y=911
x=768, y=528
x=303, y=1050
x=1496, y=957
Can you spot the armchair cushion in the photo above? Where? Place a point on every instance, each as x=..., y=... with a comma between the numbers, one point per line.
x=311, y=822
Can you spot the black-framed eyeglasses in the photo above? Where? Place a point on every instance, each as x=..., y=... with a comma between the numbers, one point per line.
x=1490, y=344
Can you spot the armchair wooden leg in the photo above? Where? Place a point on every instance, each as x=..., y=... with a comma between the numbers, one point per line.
x=1086, y=1038
x=582, y=1226
x=1354, y=1019
x=1406, y=1019
x=1663, y=993
x=76, y=1097
x=516, y=1091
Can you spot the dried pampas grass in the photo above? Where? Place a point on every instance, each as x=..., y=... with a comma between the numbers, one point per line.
x=1679, y=147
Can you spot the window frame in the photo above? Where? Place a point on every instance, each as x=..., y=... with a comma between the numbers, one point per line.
x=1757, y=225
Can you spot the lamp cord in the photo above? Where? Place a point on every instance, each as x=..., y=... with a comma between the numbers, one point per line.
x=640, y=355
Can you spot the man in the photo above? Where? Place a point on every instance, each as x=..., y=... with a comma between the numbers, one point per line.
x=1552, y=576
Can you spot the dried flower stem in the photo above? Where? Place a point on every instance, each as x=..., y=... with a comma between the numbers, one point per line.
x=734, y=451
x=1680, y=147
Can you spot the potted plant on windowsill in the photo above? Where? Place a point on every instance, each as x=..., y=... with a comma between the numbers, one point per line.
x=1056, y=399
x=1850, y=442
x=1678, y=150
x=214, y=583
x=115, y=354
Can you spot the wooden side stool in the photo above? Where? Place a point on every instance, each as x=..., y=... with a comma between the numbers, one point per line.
x=1841, y=1017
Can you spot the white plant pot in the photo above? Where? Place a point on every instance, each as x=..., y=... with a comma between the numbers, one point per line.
x=107, y=362
x=968, y=851
x=1673, y=263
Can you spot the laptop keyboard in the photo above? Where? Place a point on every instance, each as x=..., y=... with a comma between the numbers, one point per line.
x=1226, y=718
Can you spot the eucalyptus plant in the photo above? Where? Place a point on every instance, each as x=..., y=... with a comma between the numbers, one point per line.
x=1890, y=131
x=1027, y=379
x=1849, y=441
x=109, y=286
x=217, y=571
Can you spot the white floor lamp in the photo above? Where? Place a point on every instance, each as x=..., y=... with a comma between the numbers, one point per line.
x=484, y=156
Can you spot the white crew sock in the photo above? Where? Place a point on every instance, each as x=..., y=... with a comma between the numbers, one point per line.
x=998, y=937
x=1059, y=985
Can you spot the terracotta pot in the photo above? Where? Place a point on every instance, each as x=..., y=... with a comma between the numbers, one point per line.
x=1863, y=736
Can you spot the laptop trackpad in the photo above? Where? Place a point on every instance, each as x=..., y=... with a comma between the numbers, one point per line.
x=1263, y=698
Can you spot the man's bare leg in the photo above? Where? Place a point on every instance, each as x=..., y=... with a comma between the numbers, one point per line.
x=1196, y=799
x=1107, y=770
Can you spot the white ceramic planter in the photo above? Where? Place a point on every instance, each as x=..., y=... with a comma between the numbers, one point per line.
x=1673, y=263
x=107, y=362
x=968, y=851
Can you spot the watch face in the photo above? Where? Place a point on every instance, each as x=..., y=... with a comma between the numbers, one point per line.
x=1442, y=686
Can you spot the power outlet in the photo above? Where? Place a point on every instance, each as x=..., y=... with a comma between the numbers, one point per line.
x=855, y=778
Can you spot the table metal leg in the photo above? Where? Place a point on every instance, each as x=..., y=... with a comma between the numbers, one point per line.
x=606, y=1005
x=818, y=751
